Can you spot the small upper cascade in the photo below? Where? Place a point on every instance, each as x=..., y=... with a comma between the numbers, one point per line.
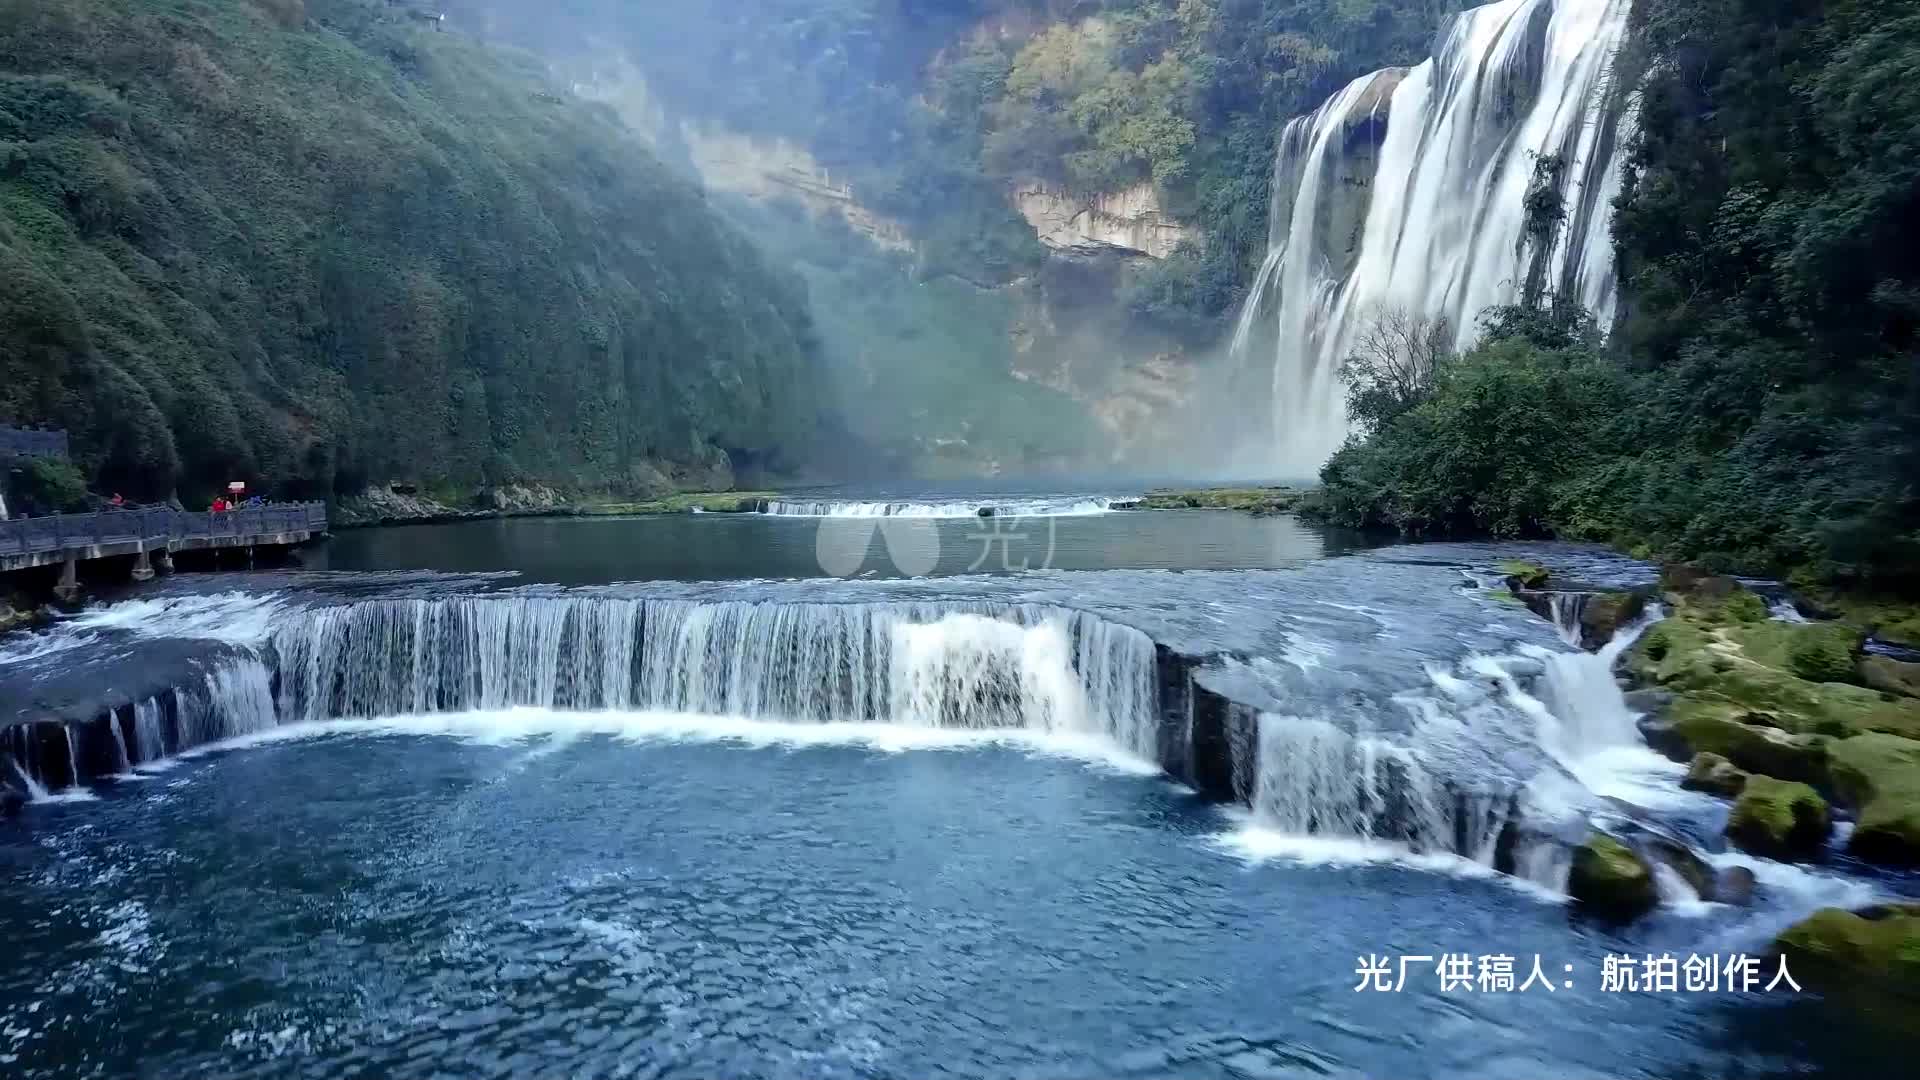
x=1071, y=506
x=1408, y=192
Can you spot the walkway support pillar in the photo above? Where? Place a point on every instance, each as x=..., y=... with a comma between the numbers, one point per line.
x=163, y=560
x=69, y=588
x=142, y=566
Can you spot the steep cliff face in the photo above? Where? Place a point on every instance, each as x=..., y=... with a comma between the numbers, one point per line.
x=771, y=169
x=1126, y=222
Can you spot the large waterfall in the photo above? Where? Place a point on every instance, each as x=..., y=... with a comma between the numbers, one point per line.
x=1408, y=190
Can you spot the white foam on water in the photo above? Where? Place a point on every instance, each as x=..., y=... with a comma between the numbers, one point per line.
x=236, y=618
x=1793, y=891
x=36, y=792
x=504, y=727
x=1784, y=611
x=1254, y=843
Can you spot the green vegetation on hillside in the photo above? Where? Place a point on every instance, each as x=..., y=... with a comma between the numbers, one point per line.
x=1759, y=408
x=316, y=246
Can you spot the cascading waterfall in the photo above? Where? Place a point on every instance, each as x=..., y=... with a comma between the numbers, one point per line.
x=1315, y=779
x=1423, y=786
x=238, y=700
x=1580, y=707
x=149, y=738
x=122, y=761
x=35, y=790
x=1043, y=669
x=1567, y=608
x=1430, y=217
x=73, y=754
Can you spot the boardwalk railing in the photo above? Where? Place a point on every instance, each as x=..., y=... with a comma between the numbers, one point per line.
x=155, y=527
x=26, y=442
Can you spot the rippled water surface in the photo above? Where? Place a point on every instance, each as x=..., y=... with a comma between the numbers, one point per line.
x=973, y=873
x=399, y=905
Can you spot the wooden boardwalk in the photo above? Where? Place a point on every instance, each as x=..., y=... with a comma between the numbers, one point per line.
x=150, y=534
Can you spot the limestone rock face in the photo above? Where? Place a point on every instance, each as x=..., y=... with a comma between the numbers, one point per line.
x=1611, y=881
x=377, y=505
x=765, y=169
x=1128, y=222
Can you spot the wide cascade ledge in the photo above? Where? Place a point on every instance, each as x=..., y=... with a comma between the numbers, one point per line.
x=1285, y=693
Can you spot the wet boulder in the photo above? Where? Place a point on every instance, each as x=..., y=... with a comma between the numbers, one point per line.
x=1879, y=775
x=1734, y=885
x=1779, y=819
x=1680, y=858
x=1715, y=775
x=1610, y=880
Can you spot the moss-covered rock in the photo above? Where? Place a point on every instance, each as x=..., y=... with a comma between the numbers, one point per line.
x=1714, y=774
x=1523, y=574
x=1762, y=668
x=1611, y=881
x=1717, y=727
x=1879, y=775
x=1889, y=676
x=1816, y=652
x=1840, y=952
x=1779, y=819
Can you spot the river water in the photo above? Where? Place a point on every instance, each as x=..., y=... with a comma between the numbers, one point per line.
x=667, y=797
